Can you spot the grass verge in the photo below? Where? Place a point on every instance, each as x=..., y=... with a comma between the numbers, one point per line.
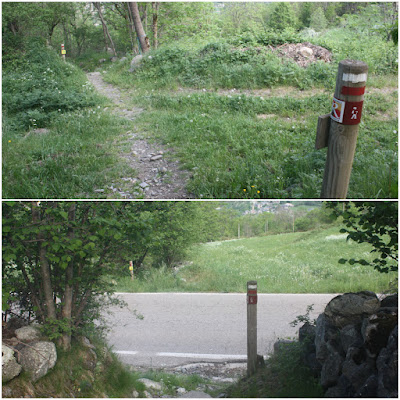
x=303, y=262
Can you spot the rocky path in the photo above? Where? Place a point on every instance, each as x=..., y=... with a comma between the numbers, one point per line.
x=158, y=177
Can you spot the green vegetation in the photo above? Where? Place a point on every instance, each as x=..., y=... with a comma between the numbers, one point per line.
x=256, y=141
x=284, y=376
x=75, y=154
x=303, y=262
x=73, y=376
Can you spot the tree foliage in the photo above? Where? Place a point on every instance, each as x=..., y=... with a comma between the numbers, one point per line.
x=375, y=223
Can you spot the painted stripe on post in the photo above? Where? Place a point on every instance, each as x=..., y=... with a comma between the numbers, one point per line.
x=354, y=78
x=353, y=91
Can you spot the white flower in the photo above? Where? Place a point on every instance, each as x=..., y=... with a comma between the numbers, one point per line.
x=191, y=120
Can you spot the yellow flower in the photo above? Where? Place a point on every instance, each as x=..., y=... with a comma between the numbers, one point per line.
x=244, y=190
x=9, y=141
x=258, y=191
x=253, y=186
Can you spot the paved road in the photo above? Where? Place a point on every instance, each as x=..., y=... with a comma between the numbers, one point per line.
x=178, y=328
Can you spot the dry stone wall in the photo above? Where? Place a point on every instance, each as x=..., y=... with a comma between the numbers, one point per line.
x=353, y=349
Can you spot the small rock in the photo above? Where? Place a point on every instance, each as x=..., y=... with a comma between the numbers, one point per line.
x=147, y=395
x=99, y=190
x=195, y=394
x=155, y=158
x=10, y=367
x=135, y=394
x=306, y=51
x=144, y=185
x=180, y=390
x=150, y=384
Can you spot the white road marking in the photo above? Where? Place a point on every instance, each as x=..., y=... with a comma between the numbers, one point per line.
x=190, y=355
x=210, y=356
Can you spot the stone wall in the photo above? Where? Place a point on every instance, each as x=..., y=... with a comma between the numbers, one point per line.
x=353, y=349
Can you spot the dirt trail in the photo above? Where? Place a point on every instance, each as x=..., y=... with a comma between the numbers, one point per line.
x=158, y=177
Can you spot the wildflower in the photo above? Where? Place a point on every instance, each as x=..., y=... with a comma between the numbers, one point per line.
x=244, y=190
x=258, y=191
x=191, y=120
x=252, y=186
x=9, y=141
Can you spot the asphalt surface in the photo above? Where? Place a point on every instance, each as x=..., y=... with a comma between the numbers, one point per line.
x=178, y=328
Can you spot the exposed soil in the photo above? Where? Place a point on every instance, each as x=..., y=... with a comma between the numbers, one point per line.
x=158, y=175
x=303, y=53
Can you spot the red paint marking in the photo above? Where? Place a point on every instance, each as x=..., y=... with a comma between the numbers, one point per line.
x=353, y=91
x=352, y=112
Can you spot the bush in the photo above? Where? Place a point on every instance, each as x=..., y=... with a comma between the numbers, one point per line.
x=39, y=86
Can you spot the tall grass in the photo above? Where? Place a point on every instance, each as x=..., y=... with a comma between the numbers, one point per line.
x=304, y=262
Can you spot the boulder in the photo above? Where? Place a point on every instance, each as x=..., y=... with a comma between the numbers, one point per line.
x=351, y=308
x=283, y=345
x=387, y=366
x=38, y=358
x=390, y=301
x=28, y=333
x=10, y=368
x=135, y=62
x=326, y=335
x=331, y=369
x=350, y=336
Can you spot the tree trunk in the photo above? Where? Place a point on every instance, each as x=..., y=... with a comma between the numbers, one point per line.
x=155, y=6
x=68, y=293
x=105, y=29
x=44, y=267
x=139, y=27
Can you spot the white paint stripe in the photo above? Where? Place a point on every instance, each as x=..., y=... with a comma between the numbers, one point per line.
x=132, y=353
x=205, y=356
x=355, y=78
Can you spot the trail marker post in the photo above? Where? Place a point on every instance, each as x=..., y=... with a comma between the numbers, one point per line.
x=251, y=327
x=131, y=269
x=63, y=52
x=338, y=130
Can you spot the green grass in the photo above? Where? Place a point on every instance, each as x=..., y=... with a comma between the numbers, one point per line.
x=244, y=146
x=79, y=150
x=284, y=376
x=304, y=262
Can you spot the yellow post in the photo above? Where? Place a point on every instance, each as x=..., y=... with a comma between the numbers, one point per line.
x=131, y=269
x=63, y=52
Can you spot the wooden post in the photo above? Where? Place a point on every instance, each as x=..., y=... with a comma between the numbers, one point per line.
x=251, y=327
x=340, y=132
x=63, y=52
x=131, y=269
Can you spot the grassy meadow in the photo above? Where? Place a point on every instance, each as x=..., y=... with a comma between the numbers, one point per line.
x=303, y=262
x=243, y=122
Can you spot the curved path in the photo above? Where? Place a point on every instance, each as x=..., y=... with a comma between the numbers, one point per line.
x=158, y=177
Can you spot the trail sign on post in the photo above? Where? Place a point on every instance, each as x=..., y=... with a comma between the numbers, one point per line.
x=251, y=327
x=63, y=52
x=339, y=129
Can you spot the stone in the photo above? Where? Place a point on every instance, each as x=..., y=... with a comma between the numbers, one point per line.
x=306, y=51
x=10, y=368
x=325, y=335
x=181, y=390
x=38, y=358
x=387, y=366
x=86, y=342
x=369, y=388
x=113, y=59
x=351, y=308
x=147, y=395
x=151, y=384
x=350, y=336
x=102, y=60
x=155, y=158
x=135, y=394
x=341, y=389
x=144, y=185
x=357, y=374
x=135, y=62
x=390, y=301
x=196, y=394
x=28, y=333
x=89, y=359
x=307, y=332
x=376, y=330
x=331, y=370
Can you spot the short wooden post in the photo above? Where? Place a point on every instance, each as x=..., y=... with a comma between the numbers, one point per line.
x=251, y=327
x=63, y=52
x=339, y=131
x=131, y=269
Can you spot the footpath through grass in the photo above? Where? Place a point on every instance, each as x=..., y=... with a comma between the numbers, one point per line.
x=304, y=262
x=58, y=138
x=247, y=141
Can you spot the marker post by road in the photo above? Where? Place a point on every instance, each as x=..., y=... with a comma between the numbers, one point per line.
x=338, y=130
x=251, y=327
x=63, y=52
x=131, y=269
